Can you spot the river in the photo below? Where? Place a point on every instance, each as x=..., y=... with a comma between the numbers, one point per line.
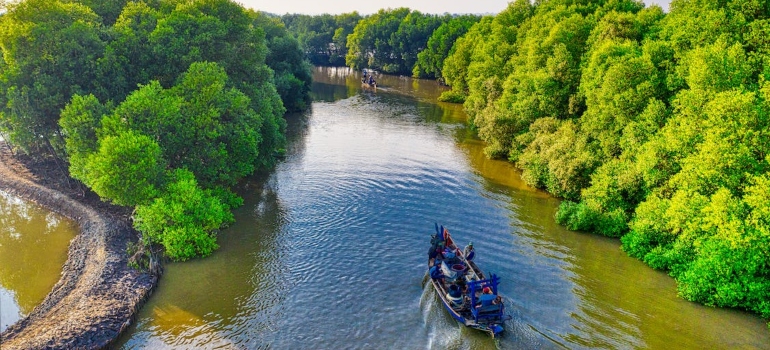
x=329, y=249
x=33, y=248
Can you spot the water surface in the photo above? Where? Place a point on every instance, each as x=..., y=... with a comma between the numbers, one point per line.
x=329, y=250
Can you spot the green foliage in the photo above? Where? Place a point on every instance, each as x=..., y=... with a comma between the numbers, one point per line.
x=205, y=129
x=108, y=10
x=129, y=58
x=200, y=123
x=540, y=79
x=390, y=40
x=581, y=217
x=79, y=121
x=54, y=50
x=653, y=126
x=452, y=96
x=370, y=38
x=430, y=61
x=287, y=60
x=455, y=69
x=135, y=91
x=126, y=169
x=167, y=40
x=558, y=157
x=184, y=219
x=412, y=37
x=490, y=66
x=576, y=216
x=50, y=49
x=619, y=79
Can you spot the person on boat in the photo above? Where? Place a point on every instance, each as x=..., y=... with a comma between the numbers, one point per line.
x=440, y=243
x=448, y=253
x=486, y=298
x=462, y=283
x=448, y=238
x=436, y=274
x=468, y=252
x=433, y=253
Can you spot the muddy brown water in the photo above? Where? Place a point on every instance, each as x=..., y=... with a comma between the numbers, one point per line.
x=329, y=250
x=33, y=248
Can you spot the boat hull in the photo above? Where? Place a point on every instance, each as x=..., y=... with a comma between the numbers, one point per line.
x=467, y=294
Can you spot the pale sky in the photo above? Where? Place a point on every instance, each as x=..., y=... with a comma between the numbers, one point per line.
x=364, y=7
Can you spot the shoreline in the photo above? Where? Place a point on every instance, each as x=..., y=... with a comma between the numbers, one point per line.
x=98, y=294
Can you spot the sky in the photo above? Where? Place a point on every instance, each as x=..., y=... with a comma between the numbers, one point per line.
x=367, y=7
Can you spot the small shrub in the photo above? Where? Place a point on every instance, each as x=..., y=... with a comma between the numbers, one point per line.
x=452, y=96
x=576, y=216
x=185, y=219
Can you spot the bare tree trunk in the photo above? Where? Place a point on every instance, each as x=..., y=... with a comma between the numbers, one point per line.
x=57, y=160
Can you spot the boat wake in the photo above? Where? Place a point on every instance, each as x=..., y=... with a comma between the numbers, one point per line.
x=443, y=331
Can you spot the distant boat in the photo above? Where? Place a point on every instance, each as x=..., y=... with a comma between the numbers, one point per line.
x=367, y=81
x=372, y=84
x=469, y=296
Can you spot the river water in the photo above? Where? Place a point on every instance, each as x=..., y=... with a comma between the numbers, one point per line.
x=33, y=248
x=329, y=250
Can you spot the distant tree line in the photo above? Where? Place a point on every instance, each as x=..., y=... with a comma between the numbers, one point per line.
x=161, y=105
x=324, y=37
x=396, y=41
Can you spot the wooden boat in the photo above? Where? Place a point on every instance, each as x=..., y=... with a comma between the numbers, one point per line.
x=367, y=80
x=367, y=84
x=469, y=296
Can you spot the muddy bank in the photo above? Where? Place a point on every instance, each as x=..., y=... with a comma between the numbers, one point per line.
x=98, y=294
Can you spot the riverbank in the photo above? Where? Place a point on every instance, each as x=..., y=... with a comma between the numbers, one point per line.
x=98, y=294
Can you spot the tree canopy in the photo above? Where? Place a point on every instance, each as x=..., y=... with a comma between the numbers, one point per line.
x=653, y=126
x=430, y=61
x=153, y=104
x=390, y=40
x=50, y=51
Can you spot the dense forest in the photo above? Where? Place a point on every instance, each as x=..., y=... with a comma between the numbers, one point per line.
x=159, y=105
x=652, y=126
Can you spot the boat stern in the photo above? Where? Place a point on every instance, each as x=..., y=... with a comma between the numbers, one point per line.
x=496, y=330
